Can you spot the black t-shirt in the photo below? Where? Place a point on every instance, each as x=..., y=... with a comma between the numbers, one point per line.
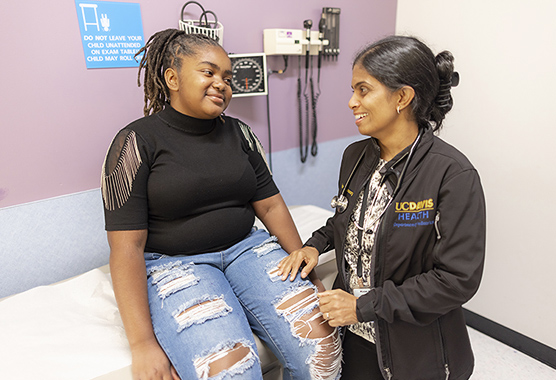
x=188, y=181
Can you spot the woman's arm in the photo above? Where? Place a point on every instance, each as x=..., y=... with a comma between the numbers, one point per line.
x=129, y=277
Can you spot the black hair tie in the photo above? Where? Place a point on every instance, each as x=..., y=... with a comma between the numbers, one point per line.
x=455, y=79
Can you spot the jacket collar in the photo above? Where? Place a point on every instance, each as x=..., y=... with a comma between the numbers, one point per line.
x=392, y=170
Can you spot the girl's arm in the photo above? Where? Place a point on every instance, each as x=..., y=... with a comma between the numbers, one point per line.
x=276, y=217
x=129, y=278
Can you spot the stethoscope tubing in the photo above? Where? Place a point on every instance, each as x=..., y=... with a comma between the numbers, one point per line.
x=340, y=201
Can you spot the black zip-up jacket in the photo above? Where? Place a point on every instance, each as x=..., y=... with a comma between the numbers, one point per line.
x=428, y=257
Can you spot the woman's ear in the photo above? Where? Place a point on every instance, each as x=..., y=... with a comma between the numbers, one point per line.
x=405, y=96
x=171, y=78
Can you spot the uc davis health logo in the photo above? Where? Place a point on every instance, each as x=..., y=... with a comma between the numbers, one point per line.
x=413, y=214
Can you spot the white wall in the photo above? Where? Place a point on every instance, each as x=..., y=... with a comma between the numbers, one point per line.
x=503, y=120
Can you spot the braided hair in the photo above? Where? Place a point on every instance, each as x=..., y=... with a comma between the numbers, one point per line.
x=399, y=61
x=163, y=50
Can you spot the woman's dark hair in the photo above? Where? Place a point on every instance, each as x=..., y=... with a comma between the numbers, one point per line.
x=399, y=61
x=163, y=50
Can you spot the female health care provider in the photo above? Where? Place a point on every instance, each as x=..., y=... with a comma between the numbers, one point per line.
x=409, y=226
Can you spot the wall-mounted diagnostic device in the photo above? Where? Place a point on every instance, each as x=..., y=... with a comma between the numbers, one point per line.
x=306, y=44
x=330, y=21
x=249, y=75
x=324, y=41
x=291, y=42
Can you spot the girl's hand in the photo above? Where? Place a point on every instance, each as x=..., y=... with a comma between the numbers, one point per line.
x=149, y=362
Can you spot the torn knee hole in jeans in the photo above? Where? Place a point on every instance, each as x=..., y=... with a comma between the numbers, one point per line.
x=200, y=310
x=172, y=277
x=300, y=308
x=230, y=358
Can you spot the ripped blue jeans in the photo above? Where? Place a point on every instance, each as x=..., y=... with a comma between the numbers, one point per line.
x=205, y=307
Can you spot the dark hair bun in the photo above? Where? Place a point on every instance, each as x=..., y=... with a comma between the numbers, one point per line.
x=443, y=102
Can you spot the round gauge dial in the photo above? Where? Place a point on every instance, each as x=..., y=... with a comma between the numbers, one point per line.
x=248, y=75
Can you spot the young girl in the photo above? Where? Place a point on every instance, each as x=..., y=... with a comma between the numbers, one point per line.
x=409, y=227
x=192, y=277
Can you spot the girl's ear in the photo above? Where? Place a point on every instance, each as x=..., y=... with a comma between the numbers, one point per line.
x=171, y=78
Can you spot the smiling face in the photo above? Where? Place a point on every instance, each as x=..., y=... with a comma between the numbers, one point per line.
x=201, y=86
x=373, y=105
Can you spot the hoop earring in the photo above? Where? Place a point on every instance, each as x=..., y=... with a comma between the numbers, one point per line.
x=398, y=109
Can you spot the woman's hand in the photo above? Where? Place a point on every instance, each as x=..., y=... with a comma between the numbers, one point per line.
x=149, y=362
x=338, y=307
x=290, y=265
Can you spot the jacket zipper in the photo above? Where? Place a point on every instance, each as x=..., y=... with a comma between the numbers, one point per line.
x=379, y=281
x=388, y=373
x=437, y=225
x=443, y=351
x=446, y=367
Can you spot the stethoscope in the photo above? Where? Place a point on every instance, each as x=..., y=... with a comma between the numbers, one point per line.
x=340, y=201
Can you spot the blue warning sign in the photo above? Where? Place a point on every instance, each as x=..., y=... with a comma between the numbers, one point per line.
x=111, y=33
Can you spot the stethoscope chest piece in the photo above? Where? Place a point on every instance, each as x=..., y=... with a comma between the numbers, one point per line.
x=340, y=203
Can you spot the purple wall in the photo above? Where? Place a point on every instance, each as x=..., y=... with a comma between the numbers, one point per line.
x=58, y=118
